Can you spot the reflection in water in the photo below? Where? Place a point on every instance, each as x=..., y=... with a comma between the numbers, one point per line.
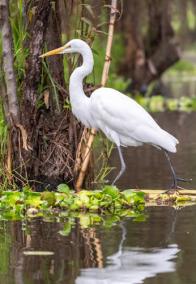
x=131, y=265
x=147, y=166
x=80, y=248
x=159, y=250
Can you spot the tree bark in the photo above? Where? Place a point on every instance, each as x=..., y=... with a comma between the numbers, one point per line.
x=36, y=29
x=50, y=160
x=8, y=65
x=9, y=90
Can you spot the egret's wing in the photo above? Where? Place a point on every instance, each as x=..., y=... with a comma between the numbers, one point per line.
x=118, y=111
x=121, y=114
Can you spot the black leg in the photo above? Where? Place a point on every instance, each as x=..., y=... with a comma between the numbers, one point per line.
x=175, y=177
x=123, y=166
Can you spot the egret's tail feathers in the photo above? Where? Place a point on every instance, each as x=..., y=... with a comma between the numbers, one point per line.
x=168, y=142
x=157, y=137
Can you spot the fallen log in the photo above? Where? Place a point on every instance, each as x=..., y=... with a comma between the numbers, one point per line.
x=158, y=197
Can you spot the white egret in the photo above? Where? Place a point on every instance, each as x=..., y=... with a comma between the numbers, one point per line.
x=119, y=117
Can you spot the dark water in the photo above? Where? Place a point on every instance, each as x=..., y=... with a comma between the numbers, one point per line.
x=160, y=250
x=147, y=167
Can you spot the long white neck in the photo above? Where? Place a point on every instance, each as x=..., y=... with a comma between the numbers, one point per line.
x=79, y=101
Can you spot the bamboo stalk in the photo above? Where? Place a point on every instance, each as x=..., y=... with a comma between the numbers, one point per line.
x=104, y=78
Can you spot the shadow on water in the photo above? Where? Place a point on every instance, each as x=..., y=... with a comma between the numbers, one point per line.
x=147, y=166
x=160, y=250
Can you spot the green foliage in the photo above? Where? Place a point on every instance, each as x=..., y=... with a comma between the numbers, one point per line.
x=114, y=81
x=172, y=104
x=187, y=104
x=15, y=205
x=63, y=188
x=182, y=66
x=118, y=82
x=102, y=149
x=105, y=207
x=159, y=103
x=156, y=103
x=19, y=34
x=54, y=85
x=111, y=191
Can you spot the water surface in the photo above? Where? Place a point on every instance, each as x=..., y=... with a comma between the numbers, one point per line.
x=147, y=167
x=160, y=250
x=157, y=251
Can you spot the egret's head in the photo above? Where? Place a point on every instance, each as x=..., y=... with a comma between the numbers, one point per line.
x=73, y=46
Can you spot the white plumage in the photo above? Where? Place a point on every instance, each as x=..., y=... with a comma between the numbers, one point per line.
x=122, y=119
x=125, y=122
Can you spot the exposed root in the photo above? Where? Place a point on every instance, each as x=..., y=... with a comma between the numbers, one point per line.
x=54, y=152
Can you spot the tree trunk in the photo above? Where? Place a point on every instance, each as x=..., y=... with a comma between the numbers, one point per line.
x=8, y=65
x=51, y=129
x=8, y=88
x=147, y=56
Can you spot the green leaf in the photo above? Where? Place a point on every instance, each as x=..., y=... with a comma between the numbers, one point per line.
x=63, y=188
x=33, y=199
x=83, y=198
x=111, y=190
x=128, y=195
x=49, y=197
x=10, y=198
x=133, y=197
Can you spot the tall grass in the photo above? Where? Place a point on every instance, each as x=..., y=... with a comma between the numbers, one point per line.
x=19, y=33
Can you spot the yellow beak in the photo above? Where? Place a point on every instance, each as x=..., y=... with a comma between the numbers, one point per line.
x=55, y=51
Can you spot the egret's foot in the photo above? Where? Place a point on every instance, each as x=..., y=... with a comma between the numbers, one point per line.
x=173, y=190
x=175, y=187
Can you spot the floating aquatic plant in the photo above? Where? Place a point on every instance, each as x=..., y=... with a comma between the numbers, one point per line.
x=27, y=203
